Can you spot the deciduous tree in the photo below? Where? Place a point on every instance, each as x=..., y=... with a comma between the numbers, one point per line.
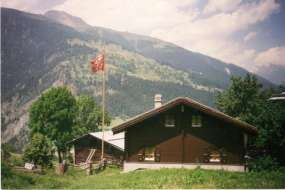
x=245, y=99
x=53, y=116
x=88, y=116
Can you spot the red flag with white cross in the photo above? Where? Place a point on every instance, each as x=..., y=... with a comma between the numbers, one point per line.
x=98, y=63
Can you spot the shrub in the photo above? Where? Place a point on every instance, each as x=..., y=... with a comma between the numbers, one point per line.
x=5, y=170
x=6, y=151
x=263, y=163
x=39, y=151
x=17, y=160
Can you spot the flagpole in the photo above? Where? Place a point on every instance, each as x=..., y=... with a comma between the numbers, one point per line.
x=103, y=107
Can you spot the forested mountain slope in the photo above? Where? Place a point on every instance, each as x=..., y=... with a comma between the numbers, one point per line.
x=40, y=51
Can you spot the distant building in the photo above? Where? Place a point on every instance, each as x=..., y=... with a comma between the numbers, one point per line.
x=113, y=146
x=184, y=133
x=278, y=97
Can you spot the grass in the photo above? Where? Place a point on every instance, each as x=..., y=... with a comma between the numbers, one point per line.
x=150, y=179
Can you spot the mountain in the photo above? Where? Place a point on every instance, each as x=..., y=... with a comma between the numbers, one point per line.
x=40, y=51
x=163, y=52
x=68, y=20
x=272, y=72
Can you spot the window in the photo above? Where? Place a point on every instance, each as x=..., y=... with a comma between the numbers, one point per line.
x=149, y=154
x=169, y=121
x=215, y=157
x=196, y=121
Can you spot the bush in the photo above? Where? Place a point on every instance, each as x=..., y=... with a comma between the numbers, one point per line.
x=263, y=163
x=39, y=151
x=16, y=160
x=6, y=151
x=17, y=181
x=5, y=170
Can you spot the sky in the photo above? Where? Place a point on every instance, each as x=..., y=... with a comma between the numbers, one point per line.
x=248, y=33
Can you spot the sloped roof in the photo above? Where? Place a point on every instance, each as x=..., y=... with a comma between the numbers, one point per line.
x=278, y=96
x=117, y=140
x=188, y=102
x=114, y=139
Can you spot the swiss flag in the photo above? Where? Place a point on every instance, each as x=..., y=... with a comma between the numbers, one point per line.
x=98, y=63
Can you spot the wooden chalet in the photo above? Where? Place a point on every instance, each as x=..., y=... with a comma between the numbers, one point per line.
x=184, y=133
x=88, y=147
x=278, y=97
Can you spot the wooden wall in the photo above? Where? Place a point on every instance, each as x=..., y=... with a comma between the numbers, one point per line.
x=82, y=149
x=183, y=143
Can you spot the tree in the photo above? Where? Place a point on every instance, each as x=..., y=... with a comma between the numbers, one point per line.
x=88, y=116
x=39, y=151
x=53, y=116
x=245, y=99
x=242, y=99
x=271, y=126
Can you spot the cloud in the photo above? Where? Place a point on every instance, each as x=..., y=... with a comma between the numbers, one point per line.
x=213, y=35
x=35, y=6
x=275, y=56
x=208, y=28
x=214, y=6
x=249, y=36
x=134, y=16
x=209, y=31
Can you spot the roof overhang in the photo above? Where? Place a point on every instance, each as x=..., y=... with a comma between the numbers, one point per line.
x=188, y=102
x=276, y=97
x=95, y=137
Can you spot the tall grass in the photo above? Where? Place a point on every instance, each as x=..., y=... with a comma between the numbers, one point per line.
x=150, y=179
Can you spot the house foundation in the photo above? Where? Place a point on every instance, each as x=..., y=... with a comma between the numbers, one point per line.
x=131, y=166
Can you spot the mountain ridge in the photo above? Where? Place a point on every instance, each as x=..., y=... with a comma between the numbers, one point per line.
x=38, y=52
x=131, y=36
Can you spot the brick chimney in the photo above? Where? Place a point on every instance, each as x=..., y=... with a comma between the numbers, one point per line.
x=157, y=100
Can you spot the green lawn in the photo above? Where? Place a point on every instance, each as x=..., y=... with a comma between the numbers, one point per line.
x=164, y=178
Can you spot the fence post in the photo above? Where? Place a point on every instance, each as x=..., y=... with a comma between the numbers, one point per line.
x=89, y=168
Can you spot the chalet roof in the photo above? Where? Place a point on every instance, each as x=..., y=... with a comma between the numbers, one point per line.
x=278, y=96
x=116, y=140
x=191, y=103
